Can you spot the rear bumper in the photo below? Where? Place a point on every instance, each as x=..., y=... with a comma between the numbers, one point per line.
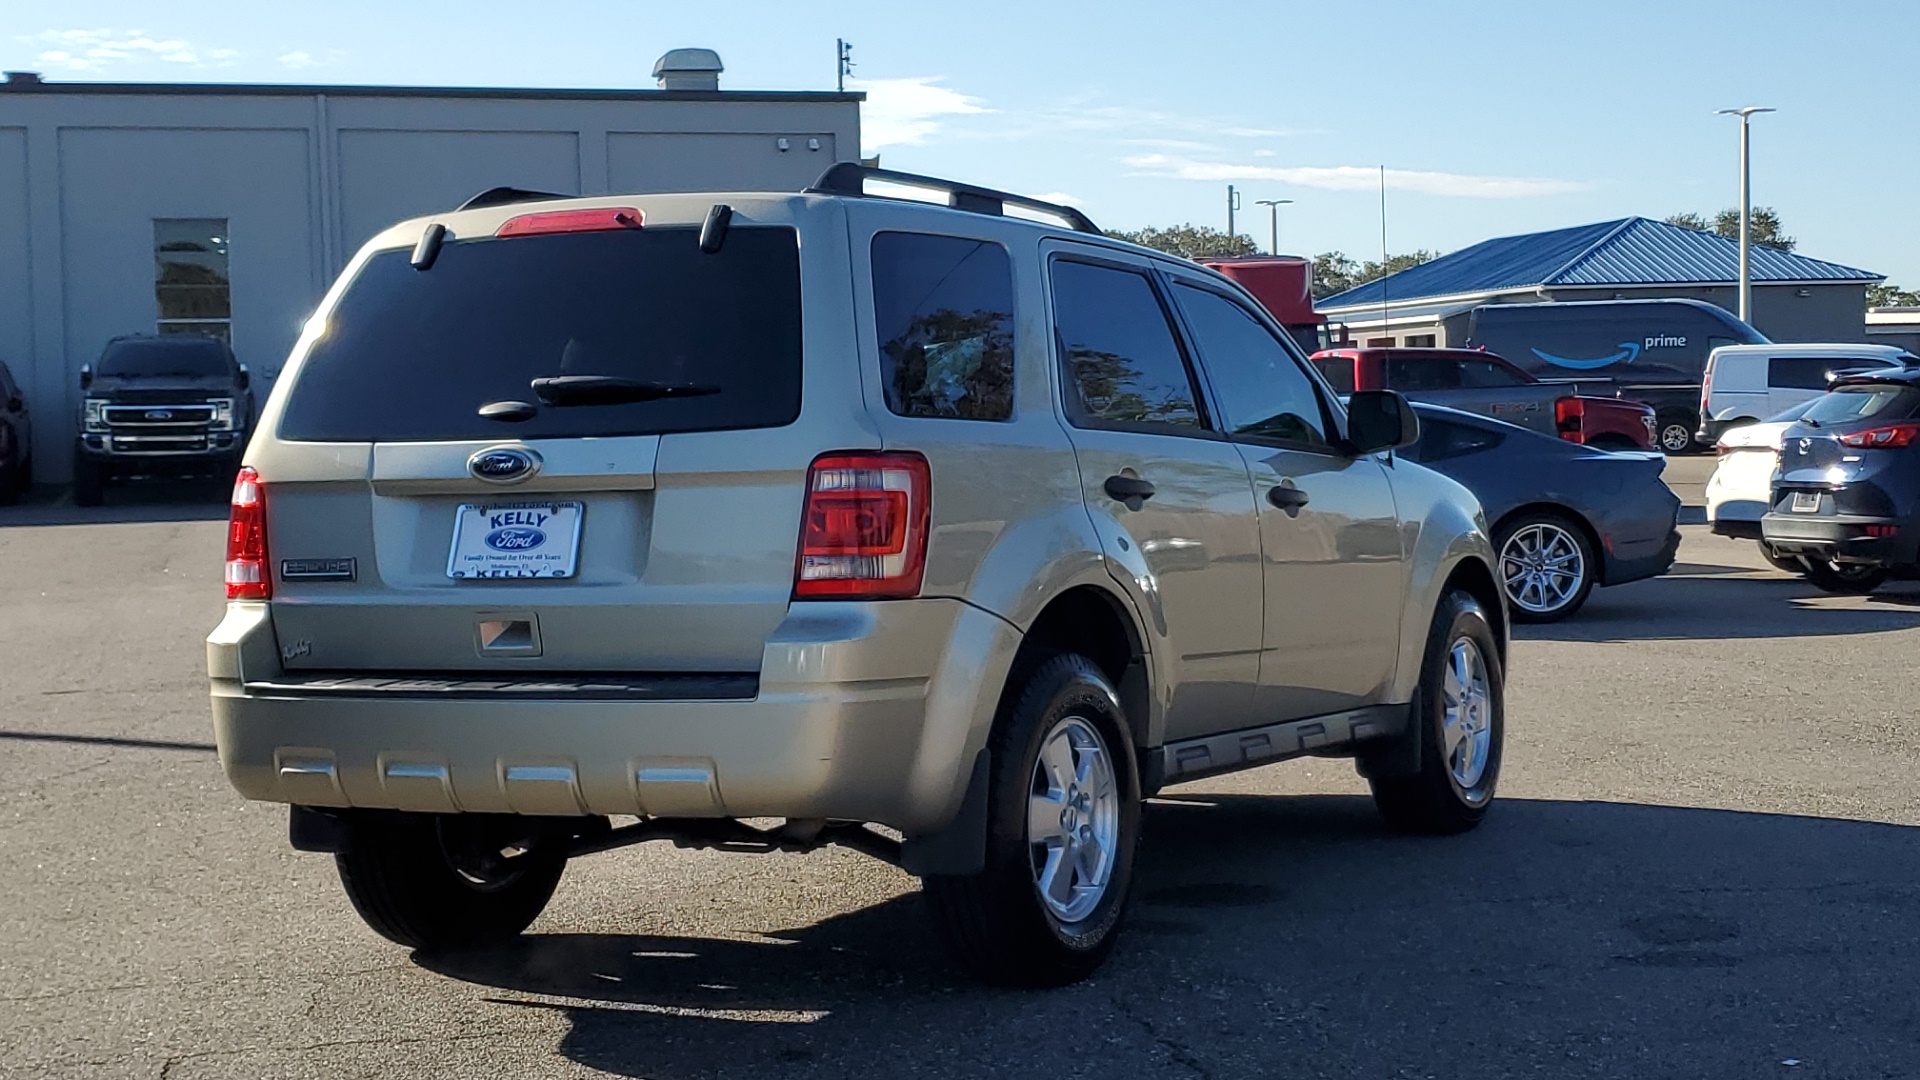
x=1738, y=528
x=863, y=711
x=1841, y=538
x=1652, y=564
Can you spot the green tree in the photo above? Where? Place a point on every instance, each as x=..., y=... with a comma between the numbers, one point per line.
x=1336, y=271
x=1887, y=294
x=1191, y=241
x=1766, y=226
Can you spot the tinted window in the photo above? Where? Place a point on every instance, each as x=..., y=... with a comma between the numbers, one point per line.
x=944, y=308
x=1812, y=372
x=1443, y=439
x=184, y=356
x=410, y=355
x=1261, y=389
x=1338, y=371
x=1124, y=366
x=1487, y=375
x=1868, y=402
x=1415, y=373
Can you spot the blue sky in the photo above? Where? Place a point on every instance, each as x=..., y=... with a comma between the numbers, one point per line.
x=1492, y=118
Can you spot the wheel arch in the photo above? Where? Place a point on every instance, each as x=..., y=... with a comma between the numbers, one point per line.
x=1475, y=578
x=1096, y=623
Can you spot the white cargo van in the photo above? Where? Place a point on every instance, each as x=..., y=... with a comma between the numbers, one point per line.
x=1745, y=383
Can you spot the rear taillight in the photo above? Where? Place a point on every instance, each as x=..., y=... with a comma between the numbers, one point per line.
x=247, y=577
x=599, y=219
x=1706, y=388
x=863, y=532
x=1891, y=437
x=1569, y=416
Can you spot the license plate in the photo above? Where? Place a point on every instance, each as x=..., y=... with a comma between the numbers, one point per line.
x=1806, y=502
x=515, y=540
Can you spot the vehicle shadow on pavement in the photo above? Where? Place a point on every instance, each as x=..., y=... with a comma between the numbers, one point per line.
x=1297, y=935
x=174, y=500
x=1720, y=603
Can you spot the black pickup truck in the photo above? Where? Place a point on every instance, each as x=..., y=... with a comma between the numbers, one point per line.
x=174, y=405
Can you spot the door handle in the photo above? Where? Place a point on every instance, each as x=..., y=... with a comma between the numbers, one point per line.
x=1290, y=499
x=1128, y=489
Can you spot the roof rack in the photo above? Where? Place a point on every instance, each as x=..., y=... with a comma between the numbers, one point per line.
x=849, y=178
x=504, y=196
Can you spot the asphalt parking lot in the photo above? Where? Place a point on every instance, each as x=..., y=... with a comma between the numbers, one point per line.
x=1705, y=863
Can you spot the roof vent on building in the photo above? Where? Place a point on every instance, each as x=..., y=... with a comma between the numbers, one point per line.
x=23, y=78
x=689, y=69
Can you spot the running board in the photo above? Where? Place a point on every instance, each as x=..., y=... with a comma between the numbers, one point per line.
x=1243, y=749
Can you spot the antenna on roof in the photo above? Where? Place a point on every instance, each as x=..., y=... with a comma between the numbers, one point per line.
x=843, y=62
x=1385, y=331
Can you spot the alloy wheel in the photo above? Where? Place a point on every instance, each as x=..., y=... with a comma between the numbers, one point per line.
x=1073, y=819
x=1543, y=567
x=1466, y=724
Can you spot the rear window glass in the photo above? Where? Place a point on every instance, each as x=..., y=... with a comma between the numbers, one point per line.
x=944, y=308
x=1338, y=371
x=412, y=355
x=184, y=356
x=1867, y=402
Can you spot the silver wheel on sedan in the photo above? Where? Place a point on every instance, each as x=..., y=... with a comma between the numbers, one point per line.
x=1073, y=819
x=1544, y=566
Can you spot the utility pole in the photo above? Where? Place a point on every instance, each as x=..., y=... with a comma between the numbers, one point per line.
x=1233, y=203
x=1273, y=207
x=1746, y=209
x=842, y=63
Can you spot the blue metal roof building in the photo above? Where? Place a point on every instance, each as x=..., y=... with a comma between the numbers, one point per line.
x=1632, y=258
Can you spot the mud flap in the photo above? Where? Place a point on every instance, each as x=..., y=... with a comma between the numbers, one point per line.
x=958, y=848
x=1399, y=755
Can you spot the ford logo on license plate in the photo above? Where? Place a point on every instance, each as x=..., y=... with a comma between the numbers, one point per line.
x=515, y=538
x=503, y=464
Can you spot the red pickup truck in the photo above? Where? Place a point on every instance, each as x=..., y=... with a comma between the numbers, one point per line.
x=1475, y=381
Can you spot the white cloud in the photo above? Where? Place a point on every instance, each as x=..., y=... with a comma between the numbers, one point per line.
x=1061, y=198
x=909, y=111
x=87, y=51
x=298, y=59
x=1358, y=178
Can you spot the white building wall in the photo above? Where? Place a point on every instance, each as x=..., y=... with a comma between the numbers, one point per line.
x=303, y=178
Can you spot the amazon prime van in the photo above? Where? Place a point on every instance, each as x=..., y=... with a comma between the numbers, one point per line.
x=1652, y=351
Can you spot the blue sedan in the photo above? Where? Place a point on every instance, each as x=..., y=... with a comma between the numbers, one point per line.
x=1564, y=517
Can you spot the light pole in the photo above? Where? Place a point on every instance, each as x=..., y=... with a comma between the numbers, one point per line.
x=1746, y=209
x=1273, y=206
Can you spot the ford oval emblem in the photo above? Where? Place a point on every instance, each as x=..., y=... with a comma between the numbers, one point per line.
x=503, y=465
x=515, y=538
x=159, y=414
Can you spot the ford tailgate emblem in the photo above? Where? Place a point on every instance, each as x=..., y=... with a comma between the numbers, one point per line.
x=503, y=464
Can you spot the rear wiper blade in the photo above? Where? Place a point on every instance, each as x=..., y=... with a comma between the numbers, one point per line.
x=563, y=390
x=1810, y=423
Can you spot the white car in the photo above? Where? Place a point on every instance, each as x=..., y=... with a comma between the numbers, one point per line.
x=1741, y=487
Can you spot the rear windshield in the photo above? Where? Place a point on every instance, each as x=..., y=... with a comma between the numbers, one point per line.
x=184, y=357
x=1870, y=401
x=412, y=355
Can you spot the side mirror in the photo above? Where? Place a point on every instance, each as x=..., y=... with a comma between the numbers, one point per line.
x=86, y=376
x=246, y=377
x=1380, y=420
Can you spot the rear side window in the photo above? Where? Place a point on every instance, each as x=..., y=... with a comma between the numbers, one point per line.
x=1812, y=372
x=1487, y=375
x=412, y=355
x=1883, y=401
x=944, y=309
x=1338, y=371
x=1444, y=439
x=1124, y=367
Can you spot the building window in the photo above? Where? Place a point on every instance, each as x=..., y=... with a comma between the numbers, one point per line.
x=190, y=287
x=1379, y=343
x=1421, y=341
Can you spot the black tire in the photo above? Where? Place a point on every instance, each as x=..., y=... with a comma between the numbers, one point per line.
x=1792, y=564
x=1846, y=579
x=438, y=881
x=1673, y=433
x=88, y=482
x=996, y=923
x=1435, y=801
x=1533, y=603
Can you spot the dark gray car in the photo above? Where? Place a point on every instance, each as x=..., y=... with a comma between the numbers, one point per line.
x=1564, y=517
